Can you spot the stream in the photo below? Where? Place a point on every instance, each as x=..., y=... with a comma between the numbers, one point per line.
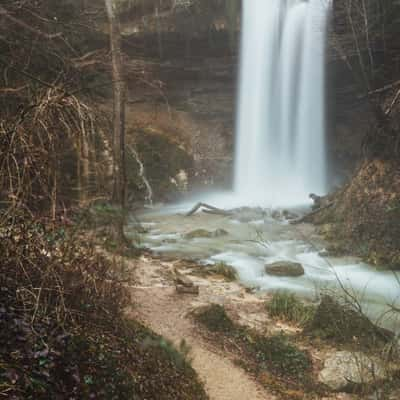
x=254, y=237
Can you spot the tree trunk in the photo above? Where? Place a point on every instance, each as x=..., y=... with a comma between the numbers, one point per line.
x=119, y=192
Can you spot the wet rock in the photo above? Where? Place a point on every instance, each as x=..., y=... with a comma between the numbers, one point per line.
x=284, y=268
x=324, y=253
x=344, y=369
x=198, y=233
x=203, y=233
x=289, y=214
x=277, y=214
x=219, y=233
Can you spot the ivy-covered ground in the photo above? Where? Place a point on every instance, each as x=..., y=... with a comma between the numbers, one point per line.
x=63, y=334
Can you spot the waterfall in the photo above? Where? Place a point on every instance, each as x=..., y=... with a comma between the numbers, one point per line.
x=280, y=128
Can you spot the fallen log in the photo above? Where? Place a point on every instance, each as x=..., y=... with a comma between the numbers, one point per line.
x=219, y=212
x=208, y=209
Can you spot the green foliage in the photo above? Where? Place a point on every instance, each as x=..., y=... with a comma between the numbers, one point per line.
x=276, y=354
x=288, y=307
x=215, y=319
x=179, y=357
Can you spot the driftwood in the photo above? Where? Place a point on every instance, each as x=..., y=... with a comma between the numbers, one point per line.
x=306, y=217
x=207, y=209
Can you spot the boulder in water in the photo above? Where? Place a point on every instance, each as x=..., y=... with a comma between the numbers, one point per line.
x=284, y=268
x=203, y=233
x=219, y=232
x=198, y=233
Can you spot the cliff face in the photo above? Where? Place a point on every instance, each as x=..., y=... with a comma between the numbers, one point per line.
x=188, y=84
x=183, y=87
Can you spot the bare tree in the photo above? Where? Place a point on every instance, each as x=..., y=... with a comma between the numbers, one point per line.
x=364, y=39
x=119, y=194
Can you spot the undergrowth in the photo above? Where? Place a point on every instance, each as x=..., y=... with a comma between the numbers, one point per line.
x=215, y=319
x=63, y=333
x=343, y=323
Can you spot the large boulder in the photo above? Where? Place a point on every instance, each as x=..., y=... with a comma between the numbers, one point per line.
x=284, y=268
x=343, y=370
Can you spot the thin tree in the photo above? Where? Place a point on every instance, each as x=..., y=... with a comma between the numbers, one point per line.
x=119, y=192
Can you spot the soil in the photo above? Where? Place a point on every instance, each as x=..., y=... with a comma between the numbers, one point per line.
x=168, y=314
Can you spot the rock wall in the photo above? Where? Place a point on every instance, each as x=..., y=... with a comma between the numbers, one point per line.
x=187, y=87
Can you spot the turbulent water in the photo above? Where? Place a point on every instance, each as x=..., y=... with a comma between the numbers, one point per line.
x=255, y=238
x=280, y=147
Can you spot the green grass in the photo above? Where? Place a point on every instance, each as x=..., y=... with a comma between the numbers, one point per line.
x=288, y=307
x=225, y=270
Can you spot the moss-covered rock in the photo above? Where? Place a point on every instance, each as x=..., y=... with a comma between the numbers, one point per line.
x=284, y=268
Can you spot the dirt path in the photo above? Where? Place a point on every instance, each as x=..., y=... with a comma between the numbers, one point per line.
x=160, y=308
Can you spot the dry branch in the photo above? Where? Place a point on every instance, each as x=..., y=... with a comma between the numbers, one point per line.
x=37, y=32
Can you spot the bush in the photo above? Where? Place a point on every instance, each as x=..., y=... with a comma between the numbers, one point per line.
x=288, y=307
x=215, y=319
x=277, y=354
x=343, y=323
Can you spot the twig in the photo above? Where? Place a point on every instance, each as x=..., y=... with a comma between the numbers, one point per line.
x=37, y=32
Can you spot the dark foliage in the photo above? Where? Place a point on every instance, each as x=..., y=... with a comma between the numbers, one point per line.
x=344, y=324
x=63, y=334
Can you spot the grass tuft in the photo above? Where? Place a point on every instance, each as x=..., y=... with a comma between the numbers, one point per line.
x=225, y=270
x=288, y=307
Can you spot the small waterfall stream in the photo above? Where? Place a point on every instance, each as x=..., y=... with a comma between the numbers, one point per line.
x=280, y=145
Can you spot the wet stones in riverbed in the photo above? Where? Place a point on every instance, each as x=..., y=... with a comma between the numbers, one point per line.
x=285, y=268
x=203, y=233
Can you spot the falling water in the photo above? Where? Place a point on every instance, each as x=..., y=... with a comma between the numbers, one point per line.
x=280, y=149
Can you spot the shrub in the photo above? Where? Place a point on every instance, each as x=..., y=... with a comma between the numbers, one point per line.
x=277, y=354
x=215, y=319
x=63, y=333
x=343, y=323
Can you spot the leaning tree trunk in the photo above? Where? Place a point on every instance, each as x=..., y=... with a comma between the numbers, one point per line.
x=119, y=192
